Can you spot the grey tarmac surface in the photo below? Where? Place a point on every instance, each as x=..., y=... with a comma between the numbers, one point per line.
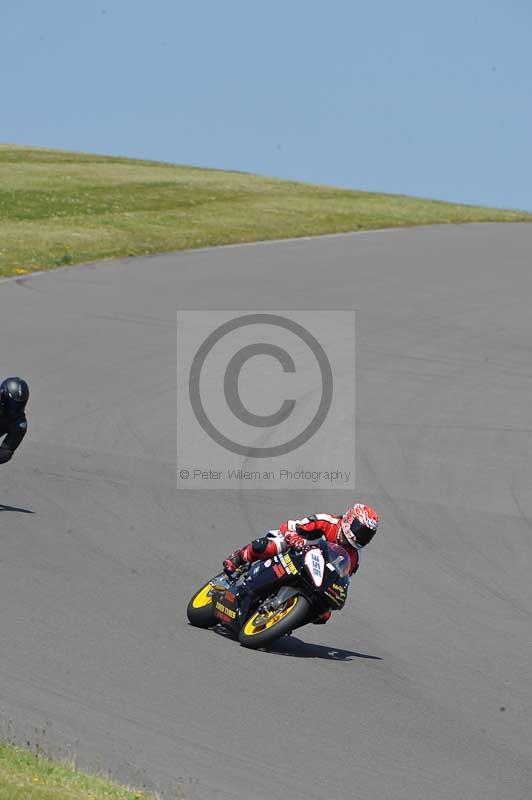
x=421, y=689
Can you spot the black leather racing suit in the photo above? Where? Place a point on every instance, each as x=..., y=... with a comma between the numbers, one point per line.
x=13, y=428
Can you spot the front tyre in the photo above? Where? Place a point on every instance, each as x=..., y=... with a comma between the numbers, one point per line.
x=200, y=608
x=264, y=627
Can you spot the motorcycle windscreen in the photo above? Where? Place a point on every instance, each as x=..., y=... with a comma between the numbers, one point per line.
x=338, y=558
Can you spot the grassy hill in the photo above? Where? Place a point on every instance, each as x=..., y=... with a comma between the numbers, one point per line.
x=26, y=776
x=60, y=208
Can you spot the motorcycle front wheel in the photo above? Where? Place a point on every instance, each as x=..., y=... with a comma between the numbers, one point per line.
x=200, y=608
x=264, y=627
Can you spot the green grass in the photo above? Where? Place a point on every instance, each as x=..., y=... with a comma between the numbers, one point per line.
x=60, y=208
x=25, y=776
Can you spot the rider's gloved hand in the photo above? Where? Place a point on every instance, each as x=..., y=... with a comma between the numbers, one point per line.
x=295, y=540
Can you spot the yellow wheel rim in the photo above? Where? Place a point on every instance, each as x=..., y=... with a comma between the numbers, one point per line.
x=260, y=621
x=203, y=597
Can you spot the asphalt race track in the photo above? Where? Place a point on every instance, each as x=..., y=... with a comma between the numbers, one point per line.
x=421, y=689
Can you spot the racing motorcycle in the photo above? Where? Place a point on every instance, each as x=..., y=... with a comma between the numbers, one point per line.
x=267, y=599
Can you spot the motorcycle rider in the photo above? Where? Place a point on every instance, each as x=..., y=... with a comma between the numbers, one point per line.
x=352, y=530
x=14, y=394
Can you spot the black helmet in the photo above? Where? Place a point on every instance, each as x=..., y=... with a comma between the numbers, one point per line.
x=14, y=394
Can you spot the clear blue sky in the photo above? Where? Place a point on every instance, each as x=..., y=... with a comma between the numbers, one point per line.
x=423, y=98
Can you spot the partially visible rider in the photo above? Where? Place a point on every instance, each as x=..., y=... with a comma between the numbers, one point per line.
x=352, y=530
x=14, y=394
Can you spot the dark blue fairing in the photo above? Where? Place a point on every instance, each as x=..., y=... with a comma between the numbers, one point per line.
x=266, y=578
x=262, y=575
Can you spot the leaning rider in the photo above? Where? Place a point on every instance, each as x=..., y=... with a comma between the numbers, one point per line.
x=14, y=394
x=353, y=530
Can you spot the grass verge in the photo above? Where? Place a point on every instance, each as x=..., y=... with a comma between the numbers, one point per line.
x=25, y=776
x=60, y=208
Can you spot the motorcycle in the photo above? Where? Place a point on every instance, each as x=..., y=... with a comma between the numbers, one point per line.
x=268, y=599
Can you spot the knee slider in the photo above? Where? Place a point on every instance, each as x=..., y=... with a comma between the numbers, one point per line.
x=260, y=545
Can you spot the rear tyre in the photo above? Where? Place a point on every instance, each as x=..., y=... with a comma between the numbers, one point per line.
x=263, y=628
x=200, y=609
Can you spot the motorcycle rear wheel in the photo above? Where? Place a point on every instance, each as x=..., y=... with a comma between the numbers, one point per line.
x=263, y=628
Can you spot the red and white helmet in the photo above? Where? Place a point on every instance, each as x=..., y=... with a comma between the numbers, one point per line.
x=359, y=525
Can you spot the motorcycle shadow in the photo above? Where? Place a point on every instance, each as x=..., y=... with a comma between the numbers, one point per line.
x=296, y=648
x=3, y=507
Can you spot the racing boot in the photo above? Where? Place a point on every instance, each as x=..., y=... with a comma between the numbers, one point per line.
x=323, y=618
x=233, y=563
